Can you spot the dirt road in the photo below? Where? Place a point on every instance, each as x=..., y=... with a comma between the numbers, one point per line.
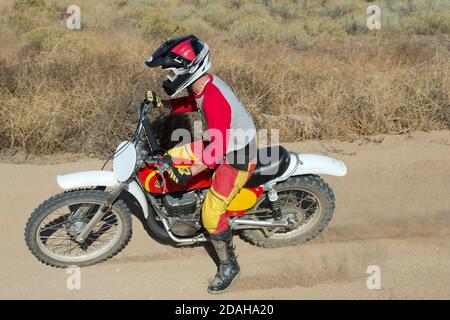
x=393, y=211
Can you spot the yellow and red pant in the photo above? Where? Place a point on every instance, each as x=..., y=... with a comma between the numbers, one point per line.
x=227, y=181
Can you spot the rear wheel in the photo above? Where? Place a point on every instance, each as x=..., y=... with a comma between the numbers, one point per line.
x=51, y=230
x=307, y=200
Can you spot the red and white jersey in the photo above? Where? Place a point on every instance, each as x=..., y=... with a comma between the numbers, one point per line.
x=230, y=127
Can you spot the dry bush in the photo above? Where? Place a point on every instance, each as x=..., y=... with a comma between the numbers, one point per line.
x=337, y=11
x=155, y=25
x=285, y=8
x=251, y=29
x=20, y=22
x=26, y=4
x=219, y=16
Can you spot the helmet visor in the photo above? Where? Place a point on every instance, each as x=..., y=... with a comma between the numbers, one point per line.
x=173, y=73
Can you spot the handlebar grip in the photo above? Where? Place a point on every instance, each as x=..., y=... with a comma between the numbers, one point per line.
x=155, y=105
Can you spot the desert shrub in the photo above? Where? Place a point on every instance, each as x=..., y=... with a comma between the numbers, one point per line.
x=337, y=11
x=155, y=25
x=121, y=3
x=305, y=4
x=319, y=26
x=44, y=39
x=249, y=29
x=404, y=9
x=237, y=4
x=27, y=4
x=286, y=9
x=355, y=24
x=198, y=3
x=295, y=35
x=428, y=23
x=55, y=106
x=218, y=16
x=197, y=26
x=101, y=16
x=20, y=22
x=254, y=9
x=50, y=39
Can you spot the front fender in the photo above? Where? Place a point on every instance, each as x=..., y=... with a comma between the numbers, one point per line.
x=86, y=179
x=101, y=178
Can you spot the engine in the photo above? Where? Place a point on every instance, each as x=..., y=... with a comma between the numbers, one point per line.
x=183, y=211
x=180, y=204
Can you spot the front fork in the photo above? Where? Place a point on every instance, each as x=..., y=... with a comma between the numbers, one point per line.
x=104, y=208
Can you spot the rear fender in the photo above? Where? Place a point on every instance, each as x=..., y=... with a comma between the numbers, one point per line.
x=302, y=164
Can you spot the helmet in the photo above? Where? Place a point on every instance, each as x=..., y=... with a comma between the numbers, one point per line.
x=185, y=59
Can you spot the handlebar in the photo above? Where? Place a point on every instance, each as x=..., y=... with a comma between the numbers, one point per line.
x=144, y=125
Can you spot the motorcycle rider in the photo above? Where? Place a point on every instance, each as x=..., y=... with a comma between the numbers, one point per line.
x=230, y=151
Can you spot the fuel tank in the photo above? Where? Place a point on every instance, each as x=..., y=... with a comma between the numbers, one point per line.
x=152, y=182
x=185, y=156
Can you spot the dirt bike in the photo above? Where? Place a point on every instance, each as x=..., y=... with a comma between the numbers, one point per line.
x=283, y=203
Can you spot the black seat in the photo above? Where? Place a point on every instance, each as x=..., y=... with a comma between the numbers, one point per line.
x=272, y=162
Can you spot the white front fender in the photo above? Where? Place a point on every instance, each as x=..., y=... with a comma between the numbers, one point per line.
x=101, y=178
x=313, y=164
x=86, y=179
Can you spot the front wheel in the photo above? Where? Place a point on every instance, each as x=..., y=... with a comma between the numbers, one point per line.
x=51, y=230
x=307, y=200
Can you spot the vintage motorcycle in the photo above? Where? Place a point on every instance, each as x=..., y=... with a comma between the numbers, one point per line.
x=284, y=203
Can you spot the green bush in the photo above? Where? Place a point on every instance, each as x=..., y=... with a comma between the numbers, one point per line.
x=26, y=4
x=337, y=11
x=296, y=36
x=197, y=26
x=355, y=24
x=237, y=4
x=155, y=25
x=286, y=9
x=254, y=9
x=325, y=25
x=428, y=23
x=20, y=22
x=250, y=29
x=51, y=38
x=219, y=16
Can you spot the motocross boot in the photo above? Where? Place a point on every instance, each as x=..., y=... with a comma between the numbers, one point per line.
x=228, y=269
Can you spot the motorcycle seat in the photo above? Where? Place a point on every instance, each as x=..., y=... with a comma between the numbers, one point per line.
x=271, y=163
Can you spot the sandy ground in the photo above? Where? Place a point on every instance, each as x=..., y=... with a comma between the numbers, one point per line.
x=393, y=211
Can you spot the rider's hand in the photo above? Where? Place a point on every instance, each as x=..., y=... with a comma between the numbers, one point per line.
x=179, y=175
x=151, y=97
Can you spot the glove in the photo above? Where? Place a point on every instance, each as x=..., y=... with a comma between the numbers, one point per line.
x=179, y=175
x=151, y=97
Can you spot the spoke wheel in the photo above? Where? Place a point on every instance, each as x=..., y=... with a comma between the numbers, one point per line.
x=307, y=201
x=53, y=227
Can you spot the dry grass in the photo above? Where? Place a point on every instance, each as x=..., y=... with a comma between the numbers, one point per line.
x=310, y=69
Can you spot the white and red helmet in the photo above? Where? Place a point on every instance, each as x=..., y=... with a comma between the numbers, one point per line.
x=185, y=59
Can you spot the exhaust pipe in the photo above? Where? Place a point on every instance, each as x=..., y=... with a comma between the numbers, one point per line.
x=183, y=241
x=256, y=223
